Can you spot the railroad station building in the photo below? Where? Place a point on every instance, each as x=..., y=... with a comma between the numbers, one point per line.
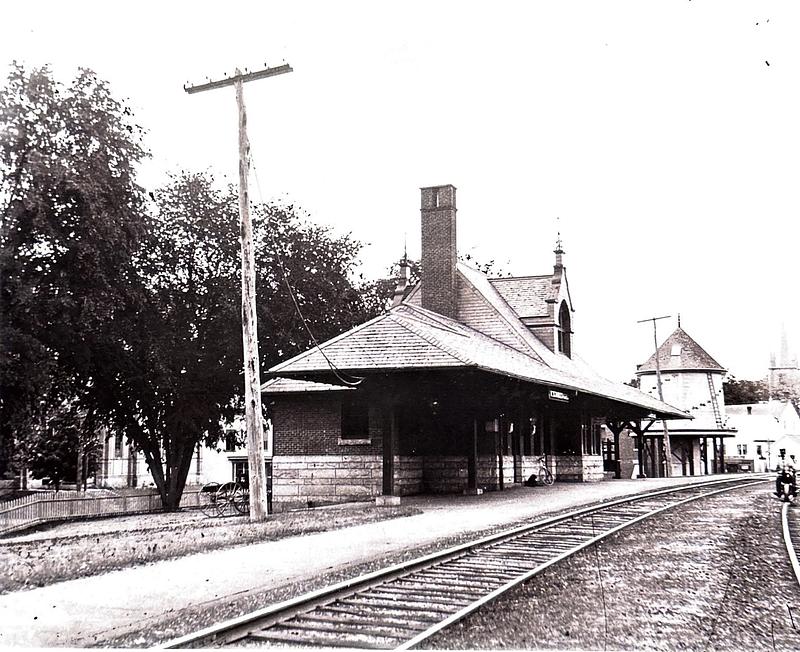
x=692, y=380
x=459, y=387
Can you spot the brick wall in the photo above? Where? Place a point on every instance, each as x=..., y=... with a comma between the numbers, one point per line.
x=546, y=334
x=311, y=425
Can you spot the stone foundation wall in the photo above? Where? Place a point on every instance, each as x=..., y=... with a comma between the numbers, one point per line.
x=408, y=476
x=487, y=473
x=307, y=480
x=445, y=474
x=578, y=468
x=530, y=466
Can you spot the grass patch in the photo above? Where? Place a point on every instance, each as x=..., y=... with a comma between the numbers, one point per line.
x=76, y=550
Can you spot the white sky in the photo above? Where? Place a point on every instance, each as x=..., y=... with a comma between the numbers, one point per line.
x=656, y=131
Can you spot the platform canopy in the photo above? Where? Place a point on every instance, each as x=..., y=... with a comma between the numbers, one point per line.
x=411, y=338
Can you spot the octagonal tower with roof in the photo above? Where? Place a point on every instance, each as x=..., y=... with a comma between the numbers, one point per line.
x=692, y=380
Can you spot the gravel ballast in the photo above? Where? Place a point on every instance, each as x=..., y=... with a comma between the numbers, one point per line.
x=713, y=575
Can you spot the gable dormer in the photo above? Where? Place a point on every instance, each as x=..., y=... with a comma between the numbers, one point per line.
x=544, y=305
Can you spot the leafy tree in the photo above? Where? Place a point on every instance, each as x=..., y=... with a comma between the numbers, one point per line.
x=184, y=355
x=187, y=343
x=58, y=446
x=320, y=269
x=71, y=219
x=129, y=316
x=740, y=392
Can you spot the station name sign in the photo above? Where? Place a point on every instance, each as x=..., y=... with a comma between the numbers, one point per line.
x=558, y=396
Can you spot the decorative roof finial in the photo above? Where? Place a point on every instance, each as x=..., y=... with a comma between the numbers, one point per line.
x=558, y=251
x=403, y=279
x=679, y=320
x=559, y=245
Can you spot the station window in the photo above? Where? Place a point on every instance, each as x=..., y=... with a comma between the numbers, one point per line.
x=564, y=330
x=742, y=449
x=118, y=445
x=355, y=419
x=592, y=433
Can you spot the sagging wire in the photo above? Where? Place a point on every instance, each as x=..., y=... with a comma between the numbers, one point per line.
x=356, y=380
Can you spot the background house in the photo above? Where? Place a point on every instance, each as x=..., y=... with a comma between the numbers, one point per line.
x=120, y=466
x=762, y=429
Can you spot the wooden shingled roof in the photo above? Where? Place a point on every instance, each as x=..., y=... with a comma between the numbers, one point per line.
x=680, y=352
x=527, y=295
x=410, y=337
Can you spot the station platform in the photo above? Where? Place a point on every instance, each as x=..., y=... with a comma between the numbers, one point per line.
x=79, y=613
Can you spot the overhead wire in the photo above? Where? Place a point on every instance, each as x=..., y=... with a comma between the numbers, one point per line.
x=356, y=380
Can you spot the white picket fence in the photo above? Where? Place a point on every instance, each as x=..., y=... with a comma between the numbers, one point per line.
x=41, y=507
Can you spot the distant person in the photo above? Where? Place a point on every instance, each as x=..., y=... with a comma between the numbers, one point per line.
x=787, y=469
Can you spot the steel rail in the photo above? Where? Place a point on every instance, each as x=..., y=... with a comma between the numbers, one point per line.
x=789, y=542
x=459, y=593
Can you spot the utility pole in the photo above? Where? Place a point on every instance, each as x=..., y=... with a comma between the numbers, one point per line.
x=252, y=375
x=667, y=446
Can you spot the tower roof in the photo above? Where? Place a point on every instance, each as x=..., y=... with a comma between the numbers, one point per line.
x=680, y=351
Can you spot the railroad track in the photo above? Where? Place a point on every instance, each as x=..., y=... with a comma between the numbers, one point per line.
x=401, y=606
x=790, y=522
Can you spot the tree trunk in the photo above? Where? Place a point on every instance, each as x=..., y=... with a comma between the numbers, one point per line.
x=79, y=478
x=153, y=458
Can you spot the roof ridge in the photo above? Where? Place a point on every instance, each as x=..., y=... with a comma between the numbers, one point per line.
x=492, y=279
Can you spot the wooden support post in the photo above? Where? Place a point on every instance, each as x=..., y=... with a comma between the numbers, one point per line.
x=472, y=458
x=715, y=464
x=389, y=452
x=704, y=454
x=640, y=447
x=516, y=446
x=259, y=508
x=499, y=439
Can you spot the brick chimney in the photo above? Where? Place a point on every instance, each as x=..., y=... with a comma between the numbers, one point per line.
x=439, y=250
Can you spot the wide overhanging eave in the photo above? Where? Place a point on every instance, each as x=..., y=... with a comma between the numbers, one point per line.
x=347, y=377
